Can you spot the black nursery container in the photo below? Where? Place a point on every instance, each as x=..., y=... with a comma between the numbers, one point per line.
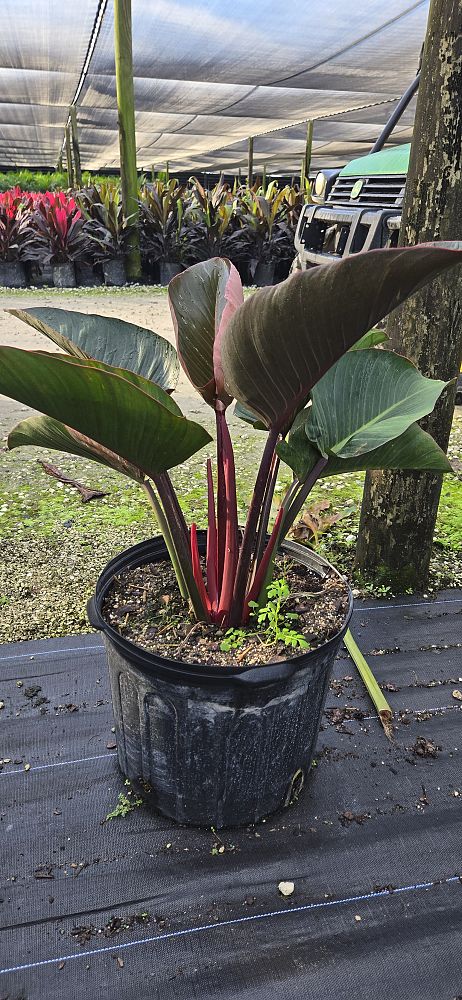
x=219, y=746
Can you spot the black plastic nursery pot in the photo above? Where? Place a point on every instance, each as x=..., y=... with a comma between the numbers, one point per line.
x=64, y=275
x=12, y=274
x=219, y=746
x=114, y=272
x=168, y=270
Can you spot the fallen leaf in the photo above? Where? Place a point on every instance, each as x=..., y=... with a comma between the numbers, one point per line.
x=357, y=918
x=457, y=695
x=286, y=888
x=120, y=962
x=2, y=704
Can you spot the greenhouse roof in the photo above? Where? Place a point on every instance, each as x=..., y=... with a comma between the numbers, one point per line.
x=208, y=76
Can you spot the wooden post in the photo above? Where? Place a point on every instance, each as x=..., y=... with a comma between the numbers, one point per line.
x=250, y=162
x=59, y=165
x=399, y=508
x=75, y=146
x=126, y=109
x=69, y=166
x=153, y=172
x=308, y=147
x=263, y=179
x=302, y=175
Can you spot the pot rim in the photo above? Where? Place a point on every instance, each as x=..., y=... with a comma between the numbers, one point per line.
x=145, y=552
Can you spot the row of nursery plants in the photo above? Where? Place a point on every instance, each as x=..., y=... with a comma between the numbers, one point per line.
x=83, y=237
x=51, y=180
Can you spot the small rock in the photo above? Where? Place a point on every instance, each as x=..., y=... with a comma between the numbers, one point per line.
x=357, y=918
x=286, y=888
x=457, y=695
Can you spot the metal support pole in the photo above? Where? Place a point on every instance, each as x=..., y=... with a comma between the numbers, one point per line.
x=308, y=146
x=75, y=146
x=126, y=109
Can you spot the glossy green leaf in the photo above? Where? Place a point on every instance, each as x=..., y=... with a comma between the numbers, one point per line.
x=367, y=398
x=45, y=432
x=202, y=301
x=128, y=415
x=415, y=449
x=123, y=345
x=283, y=339
x=371, y=339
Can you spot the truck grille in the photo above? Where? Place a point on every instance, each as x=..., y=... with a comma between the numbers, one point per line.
x=376, y=192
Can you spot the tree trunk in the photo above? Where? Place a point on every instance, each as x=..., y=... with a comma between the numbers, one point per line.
x=75, y=146
x=399, y=508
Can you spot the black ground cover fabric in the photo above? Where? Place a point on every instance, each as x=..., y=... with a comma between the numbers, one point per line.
x=139, y=907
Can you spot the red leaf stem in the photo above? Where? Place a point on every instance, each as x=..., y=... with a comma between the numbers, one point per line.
x=259, y=578
x=231, y=532
x=197, y=571
x=249, y=540
x=221, y=498
x=212, y=552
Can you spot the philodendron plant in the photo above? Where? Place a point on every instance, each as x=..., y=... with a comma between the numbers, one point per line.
x=300, y=359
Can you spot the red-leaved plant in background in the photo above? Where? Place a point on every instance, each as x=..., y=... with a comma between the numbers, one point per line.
x=16, y=234
x=59, y=227
x=299, y=358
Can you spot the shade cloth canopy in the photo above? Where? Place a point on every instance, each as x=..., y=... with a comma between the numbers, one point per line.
x=207, y=76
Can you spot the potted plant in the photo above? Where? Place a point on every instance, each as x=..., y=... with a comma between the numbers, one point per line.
x=162, y=228
x=213, y=226
x=59, y=237
x=271, y=239
x=221, y=734
x=107, y=229
x=16, y=235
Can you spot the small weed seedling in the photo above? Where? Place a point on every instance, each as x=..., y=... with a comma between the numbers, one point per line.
x=273, y=617
x=126, y=803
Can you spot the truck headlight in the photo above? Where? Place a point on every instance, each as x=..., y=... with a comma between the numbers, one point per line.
x=320, y=184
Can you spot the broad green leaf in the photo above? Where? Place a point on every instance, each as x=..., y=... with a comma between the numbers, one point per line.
x=45, y=432
x=366, y=399
x=124, y=345
x=115, y=411
x=142, y=383
x=244, y=414
x=284, y=338
x=371, y=339
x=202, y=301
x=415, y=449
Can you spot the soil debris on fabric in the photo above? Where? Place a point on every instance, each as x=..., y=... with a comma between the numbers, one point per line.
x=425, y=748
x=83, y=933
x=144, y=605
